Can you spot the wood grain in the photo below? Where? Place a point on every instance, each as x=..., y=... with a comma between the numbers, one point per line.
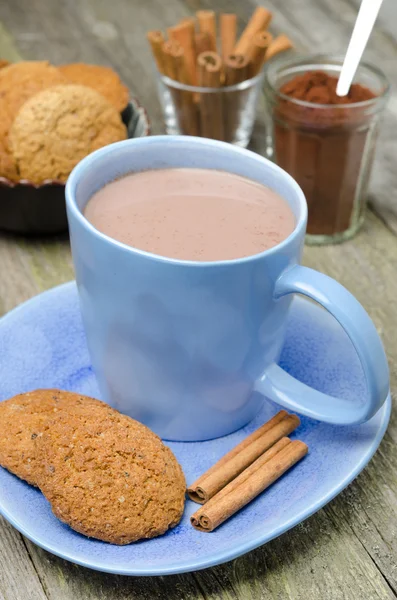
x=349, y=549
x=18, y=576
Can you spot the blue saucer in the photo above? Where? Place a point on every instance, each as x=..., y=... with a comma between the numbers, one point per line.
x=42, y=344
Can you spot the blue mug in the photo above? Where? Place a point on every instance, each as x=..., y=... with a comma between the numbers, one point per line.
x=182, y=346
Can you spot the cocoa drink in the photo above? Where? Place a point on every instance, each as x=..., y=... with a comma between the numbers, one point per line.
x=191, y=214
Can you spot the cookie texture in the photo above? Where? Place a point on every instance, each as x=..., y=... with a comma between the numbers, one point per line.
x=5, y=124
x=102, y=79
x=58, y=127
x=8, y=166
x=25, y=417
x=20, y=81
x=110, y=477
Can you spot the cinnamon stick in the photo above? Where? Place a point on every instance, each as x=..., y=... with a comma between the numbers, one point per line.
x=209, y=69
x=156, y=41
x=236, y=69
x=280, y=44
x=259, y=20
x=211, y=110
x=243, y=444
x=207, y=24
x=228, y=31
x=264, y=458
x=183, y=33
x=260, y=44
x=171, y=48
x=238, y=459
x=202, y=42
x=247, y=486
x=178, y=61
x=176, y=69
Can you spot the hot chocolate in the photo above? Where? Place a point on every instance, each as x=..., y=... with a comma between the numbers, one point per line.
x=191, y=214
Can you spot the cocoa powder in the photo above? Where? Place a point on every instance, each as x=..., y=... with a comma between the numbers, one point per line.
x=324, y=146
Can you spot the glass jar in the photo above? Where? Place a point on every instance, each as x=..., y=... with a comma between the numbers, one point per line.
x=225, y=113
x=327, y=148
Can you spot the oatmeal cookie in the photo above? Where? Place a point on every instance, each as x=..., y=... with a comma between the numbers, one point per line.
x=58, y=127
x=24, y=418
x=102, y=79
x=111, y=478
x=20, y=81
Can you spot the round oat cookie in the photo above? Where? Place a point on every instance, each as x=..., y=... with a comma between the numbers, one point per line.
x=24, y=418
x=111, y=478
x=22, y=80
x=102, y=79
x=58, y=127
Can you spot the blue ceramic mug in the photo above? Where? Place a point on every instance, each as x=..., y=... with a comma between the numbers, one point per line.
x=182, y=346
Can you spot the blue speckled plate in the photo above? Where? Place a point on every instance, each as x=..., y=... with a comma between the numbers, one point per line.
x=42, y=344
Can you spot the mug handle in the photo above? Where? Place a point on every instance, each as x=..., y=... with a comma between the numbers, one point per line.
x=287, y=391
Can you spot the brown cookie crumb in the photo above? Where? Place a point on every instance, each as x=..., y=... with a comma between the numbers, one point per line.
x=25, y=417
x=110, y=477
x=102, y=79
x=58, y=127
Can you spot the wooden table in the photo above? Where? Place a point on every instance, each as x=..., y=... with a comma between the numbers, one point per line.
x=349, y=548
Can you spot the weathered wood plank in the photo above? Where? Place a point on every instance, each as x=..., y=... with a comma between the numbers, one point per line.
x=18, y=577
x=319, y=559
x=31, y=266
x=66, y=581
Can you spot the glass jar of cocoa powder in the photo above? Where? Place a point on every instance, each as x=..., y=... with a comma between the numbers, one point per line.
x=325, y=142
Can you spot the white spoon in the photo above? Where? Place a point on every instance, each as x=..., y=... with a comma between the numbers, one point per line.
x=362, y=30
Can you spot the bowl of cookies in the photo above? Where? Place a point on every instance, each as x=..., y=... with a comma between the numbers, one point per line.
x=50, y=118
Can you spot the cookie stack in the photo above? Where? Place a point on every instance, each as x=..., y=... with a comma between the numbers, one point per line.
x=50, y=118
x=104, y=474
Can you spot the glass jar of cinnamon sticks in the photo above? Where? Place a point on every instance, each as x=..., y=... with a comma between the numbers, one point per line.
x=210, y=93
x=327, y=143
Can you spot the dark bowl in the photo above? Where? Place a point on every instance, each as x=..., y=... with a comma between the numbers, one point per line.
x=31, y=209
